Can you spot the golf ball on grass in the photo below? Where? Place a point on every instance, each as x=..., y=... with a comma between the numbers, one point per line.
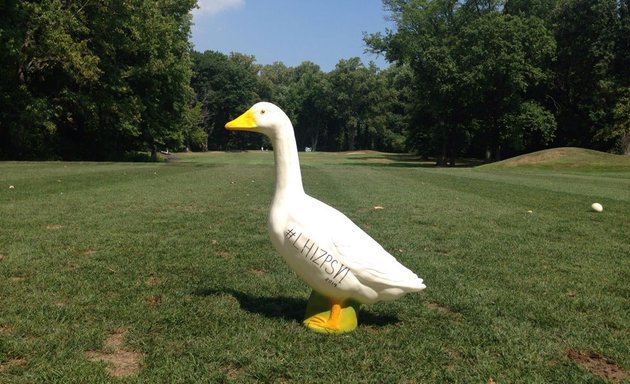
x=597, y=207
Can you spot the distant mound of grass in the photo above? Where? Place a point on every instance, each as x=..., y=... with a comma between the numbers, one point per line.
x=565, y=158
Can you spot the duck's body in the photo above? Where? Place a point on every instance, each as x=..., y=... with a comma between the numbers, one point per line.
x=334, y=256
x=326, y=249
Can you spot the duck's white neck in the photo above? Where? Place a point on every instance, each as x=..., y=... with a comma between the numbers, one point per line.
x=288, y=175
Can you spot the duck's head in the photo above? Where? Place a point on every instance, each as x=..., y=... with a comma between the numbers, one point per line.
x=264, y=118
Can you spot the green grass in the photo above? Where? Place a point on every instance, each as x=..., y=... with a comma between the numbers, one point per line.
x=566, y=159
x=177, y=255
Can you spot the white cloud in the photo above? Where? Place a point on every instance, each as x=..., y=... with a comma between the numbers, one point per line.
x=212, y=7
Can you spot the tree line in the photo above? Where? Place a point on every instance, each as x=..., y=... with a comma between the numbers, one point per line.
x=115, y=79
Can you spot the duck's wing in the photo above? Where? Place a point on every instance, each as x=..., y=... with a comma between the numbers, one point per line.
x=368, y=260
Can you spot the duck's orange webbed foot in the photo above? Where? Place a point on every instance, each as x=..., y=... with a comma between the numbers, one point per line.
x=326, y=315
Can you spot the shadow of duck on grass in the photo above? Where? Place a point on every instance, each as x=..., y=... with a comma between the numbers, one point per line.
x=289, y=308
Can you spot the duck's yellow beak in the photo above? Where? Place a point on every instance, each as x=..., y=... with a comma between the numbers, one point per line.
x=243, y=122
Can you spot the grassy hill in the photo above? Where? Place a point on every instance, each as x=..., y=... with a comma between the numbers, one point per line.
x=565, y=158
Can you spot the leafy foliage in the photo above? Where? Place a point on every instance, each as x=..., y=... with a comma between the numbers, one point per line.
x=93, y=79
x=586, y=83
x=224, y=85
x=476, y=66
x=486, y=79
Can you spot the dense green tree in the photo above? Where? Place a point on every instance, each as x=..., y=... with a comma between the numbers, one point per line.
x=425, y=41
x=44, y=58
x=589, y=90
x=542, y=9
x=225, y=86
x=501, y=58
x=619, y=131
x=393, y=108
x=94, y=79
x=353, y=101
x=310, y=90
x=274, y=81
x=319, y=103
x=163, y=82
x=476, y=66
x=586, y=32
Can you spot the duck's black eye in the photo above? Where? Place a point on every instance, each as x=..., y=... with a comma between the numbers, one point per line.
x=262, y=111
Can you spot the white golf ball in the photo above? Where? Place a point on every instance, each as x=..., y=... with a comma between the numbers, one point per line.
x=597, y=207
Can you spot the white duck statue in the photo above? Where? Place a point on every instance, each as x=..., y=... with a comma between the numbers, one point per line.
x=343, y=265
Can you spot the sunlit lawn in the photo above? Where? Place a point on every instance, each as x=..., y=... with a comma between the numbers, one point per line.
x=167, y=267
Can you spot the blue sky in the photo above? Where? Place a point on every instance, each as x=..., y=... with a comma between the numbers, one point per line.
x=290, y=31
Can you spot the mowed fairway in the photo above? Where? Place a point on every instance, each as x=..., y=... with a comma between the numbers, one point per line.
x=164, y=273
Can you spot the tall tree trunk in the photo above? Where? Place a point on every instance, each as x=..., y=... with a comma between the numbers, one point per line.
x=441, y=161
x=451, y=158
x=352, y=135
x=625, y=143
x=497, y=152
x=488, y=157
x=314, y=140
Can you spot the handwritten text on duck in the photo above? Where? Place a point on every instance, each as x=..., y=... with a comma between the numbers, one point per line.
x=327, y=262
